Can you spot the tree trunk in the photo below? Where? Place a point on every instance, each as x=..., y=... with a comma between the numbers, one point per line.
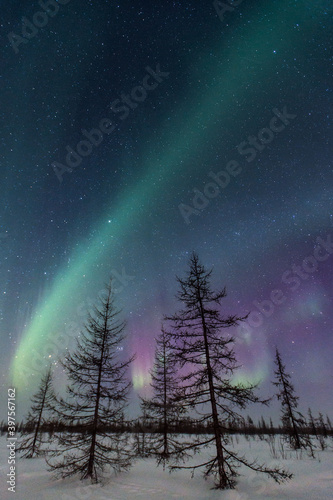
x=165, y=422
x=223, y=479
x=291, y=415
x=90, y=469
x=41, y=413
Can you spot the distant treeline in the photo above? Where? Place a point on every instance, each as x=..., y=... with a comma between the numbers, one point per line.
x=182, y=426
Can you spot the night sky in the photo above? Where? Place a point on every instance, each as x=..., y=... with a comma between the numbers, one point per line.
x=134, y=133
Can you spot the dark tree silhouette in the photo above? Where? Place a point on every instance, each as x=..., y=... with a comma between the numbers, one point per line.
x=207, y=359
x=322, y=432
x=41, y=401
x=312, y=423
x=97, y=396
x=292, y=420
x=322, y=425
x=164, y=408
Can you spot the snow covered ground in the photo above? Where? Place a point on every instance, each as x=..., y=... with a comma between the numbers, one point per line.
x=313, y=480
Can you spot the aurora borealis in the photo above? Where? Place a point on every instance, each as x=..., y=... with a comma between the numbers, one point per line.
x=118, y=212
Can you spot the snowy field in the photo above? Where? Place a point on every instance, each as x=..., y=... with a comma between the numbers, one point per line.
x=313, y=480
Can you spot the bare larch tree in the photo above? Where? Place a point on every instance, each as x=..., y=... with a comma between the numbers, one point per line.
x=207, y=360
x=97, y=396
x=41, y=401
x=164, y=407
x=293, y=422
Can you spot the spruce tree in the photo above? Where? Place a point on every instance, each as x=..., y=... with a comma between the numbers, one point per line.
x=205, y=355
x=97, y=395
x=164, y=408
x=41, y=402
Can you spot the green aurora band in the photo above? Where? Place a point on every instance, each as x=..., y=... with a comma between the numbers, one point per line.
x=196, y=127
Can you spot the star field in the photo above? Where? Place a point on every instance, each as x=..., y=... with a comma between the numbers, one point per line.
x=178, y=96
